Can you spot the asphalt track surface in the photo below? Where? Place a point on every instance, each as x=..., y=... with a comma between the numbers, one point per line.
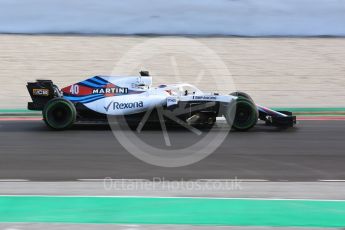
x=312, y=151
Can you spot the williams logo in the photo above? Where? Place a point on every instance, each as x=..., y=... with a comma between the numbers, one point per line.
x=130, y=105
x=110, y=90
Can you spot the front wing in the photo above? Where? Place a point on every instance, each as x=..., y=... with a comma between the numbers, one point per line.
x=276, y=118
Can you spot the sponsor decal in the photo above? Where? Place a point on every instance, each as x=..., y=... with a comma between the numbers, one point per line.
x=204, y=98
x=171, y=101
x=40, y=92
x=114, y=90
x=117, y=105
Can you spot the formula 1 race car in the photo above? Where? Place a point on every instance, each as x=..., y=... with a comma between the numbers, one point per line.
x=100, y=97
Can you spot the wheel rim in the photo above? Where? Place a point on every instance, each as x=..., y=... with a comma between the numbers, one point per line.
x=59, y=115
x=245, y=116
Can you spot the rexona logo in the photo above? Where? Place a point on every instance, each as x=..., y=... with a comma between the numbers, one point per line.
x=130, y=105
x=110, y=90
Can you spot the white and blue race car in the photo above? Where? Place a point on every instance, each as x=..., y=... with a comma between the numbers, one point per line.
x=100, y=97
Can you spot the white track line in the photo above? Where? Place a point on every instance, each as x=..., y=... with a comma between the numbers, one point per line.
x=200, y=180
x=197, y=180
x=110, y=179
x=90, y=180
x=147, y=180
x=231, y=180
x=185, y=197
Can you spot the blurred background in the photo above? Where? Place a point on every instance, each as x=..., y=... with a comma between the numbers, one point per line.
x=283, y=52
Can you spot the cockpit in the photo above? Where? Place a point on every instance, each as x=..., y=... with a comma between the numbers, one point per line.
x=181, y=89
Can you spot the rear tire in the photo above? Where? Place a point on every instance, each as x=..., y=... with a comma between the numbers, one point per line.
x=59, y=114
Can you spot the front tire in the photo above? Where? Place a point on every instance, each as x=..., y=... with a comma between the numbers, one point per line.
x=242, y=115
x=59, y=114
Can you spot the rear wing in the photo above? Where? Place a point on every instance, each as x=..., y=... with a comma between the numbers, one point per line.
x=41, y=92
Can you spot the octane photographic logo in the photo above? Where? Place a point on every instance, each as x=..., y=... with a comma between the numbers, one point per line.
x=172, y=60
